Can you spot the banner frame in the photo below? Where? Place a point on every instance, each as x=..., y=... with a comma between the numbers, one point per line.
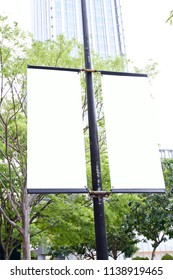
x=82, y=190
x=116, y=189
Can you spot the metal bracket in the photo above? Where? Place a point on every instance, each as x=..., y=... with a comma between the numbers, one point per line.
x=89, y=70
x=99, y=193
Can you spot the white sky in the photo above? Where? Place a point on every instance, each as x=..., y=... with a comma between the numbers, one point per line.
x=146, y=37
x=18, y=10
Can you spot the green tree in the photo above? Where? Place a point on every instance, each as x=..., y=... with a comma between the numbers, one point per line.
x=121, y=237
x=153, y=219
x=67, y=227
x=151, y=216
x=13, y=132
x=167, y=166
x=68, y=224
x=169, y=19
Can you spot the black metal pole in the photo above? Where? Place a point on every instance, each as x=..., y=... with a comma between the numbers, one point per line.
x=99, y=217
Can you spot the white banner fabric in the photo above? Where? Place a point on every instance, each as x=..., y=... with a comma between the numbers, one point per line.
x=130, y=127
x=56, y=152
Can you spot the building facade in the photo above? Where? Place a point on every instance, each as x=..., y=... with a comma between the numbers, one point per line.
x=166, y=153
x=53, y=17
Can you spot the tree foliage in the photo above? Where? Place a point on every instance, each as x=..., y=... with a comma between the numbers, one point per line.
x=13, y=206
x=169, y=19
x=153, y=219
x=121, y=237
x=152, y=215
x=68, y=222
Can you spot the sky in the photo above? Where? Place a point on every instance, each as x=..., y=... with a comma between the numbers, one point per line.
x=147, y=36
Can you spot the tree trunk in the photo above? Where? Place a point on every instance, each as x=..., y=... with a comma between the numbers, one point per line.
x=6, y=256
x=25, y=226
x=153, y=253
x=115, y=253
x=4, y=253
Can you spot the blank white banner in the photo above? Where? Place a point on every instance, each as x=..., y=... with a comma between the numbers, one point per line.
x=56, y=152
x=133, y=151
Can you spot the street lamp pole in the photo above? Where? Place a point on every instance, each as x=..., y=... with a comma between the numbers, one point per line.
x=98, y=203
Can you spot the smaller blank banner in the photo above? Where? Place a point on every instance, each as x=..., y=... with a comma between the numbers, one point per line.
x=132, y=147
x=56, y=152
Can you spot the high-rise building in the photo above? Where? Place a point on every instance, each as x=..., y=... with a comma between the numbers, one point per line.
x=53, y=17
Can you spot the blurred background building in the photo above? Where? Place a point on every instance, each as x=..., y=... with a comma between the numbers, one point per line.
x=166, y=153
x=53, y=17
